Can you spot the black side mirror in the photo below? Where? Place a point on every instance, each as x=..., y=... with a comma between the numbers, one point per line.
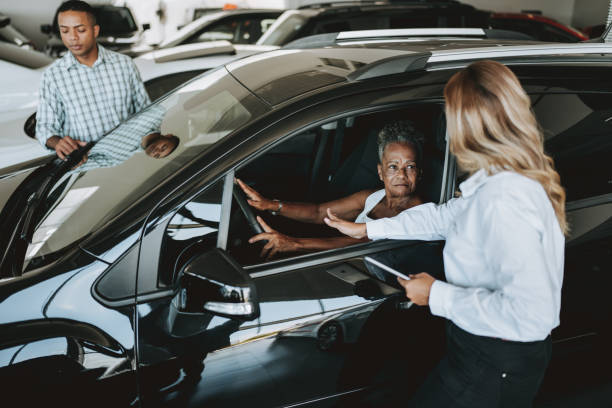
x=146, y=26
x=46, y=28
x=4, y=21
x=212, y=282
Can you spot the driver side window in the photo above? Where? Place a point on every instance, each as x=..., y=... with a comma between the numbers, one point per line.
x=320, y=164
x=331, y=162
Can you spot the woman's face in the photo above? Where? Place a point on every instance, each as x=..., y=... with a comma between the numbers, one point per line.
x=398, y=170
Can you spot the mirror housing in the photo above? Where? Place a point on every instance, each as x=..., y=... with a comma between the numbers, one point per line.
x=212, y=282
x=146, y=26
x=46, y=28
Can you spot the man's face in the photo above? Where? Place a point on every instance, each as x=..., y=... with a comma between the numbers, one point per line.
x=77, y=31
x=161, y=147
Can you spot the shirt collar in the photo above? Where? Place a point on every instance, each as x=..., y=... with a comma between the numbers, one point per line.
x=469, y=186
x=70, y=60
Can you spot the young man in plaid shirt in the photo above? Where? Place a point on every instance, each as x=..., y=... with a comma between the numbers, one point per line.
x=88, y=91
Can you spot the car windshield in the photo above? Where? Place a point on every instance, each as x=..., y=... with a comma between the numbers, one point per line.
x=115, y=21
x=139, y=154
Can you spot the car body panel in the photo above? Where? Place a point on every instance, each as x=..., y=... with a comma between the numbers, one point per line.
x=59, y=350
x=18, y=101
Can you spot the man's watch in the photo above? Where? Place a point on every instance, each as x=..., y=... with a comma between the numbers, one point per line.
x=278, y=210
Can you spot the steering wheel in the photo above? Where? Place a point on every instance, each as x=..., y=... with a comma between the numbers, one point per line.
x=246, y=209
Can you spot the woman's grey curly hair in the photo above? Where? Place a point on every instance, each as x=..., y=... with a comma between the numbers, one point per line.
x=401, y=131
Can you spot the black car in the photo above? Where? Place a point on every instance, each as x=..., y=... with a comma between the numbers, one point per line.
x=334, y=17
x=133, y=284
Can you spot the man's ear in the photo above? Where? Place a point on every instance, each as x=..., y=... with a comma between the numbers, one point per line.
x=96, y=30
x=379, y=168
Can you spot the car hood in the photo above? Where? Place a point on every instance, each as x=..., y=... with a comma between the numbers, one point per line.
x=16, y=147
x=18, y=87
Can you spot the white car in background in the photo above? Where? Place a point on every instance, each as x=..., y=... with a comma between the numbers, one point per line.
x=21, y=71
x=243, y=26
x=164, y=69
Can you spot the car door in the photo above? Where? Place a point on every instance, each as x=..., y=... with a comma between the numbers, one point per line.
x=577, y=130
x=328, y=328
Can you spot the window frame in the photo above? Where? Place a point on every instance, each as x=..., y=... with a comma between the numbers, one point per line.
x=309, y=259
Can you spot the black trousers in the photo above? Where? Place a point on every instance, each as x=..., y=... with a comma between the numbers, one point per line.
x=486, y=372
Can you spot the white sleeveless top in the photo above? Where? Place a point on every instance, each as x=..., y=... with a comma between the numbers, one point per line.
x=370, y=203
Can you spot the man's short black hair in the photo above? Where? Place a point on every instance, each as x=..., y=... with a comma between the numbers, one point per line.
x=76, y=5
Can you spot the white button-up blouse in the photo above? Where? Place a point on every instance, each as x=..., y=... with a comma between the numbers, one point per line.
x=503, y=255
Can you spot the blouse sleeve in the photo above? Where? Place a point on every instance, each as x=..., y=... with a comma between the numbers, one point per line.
x=425, y=222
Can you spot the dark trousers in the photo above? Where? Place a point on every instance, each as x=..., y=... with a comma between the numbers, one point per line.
x=486, y=372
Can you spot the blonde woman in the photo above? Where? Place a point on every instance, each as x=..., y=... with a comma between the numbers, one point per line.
x=504, y=247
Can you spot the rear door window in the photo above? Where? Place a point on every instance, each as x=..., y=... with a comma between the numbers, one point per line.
x=578, y=134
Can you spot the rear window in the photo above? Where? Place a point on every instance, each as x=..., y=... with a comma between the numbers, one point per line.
x=577, y=130
x=115, y=21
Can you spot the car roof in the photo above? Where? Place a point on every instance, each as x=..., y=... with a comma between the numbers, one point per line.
x=280, y=75
x=343, y=7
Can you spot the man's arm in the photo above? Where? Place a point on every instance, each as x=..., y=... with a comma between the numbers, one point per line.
x=140, y=97
x=50, y=119
x=50, y=112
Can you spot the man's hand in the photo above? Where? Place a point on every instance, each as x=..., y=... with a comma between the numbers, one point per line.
x=64, y=145
x=352, y=229
x=82, y=162
x=277, y=242
x=255, y=199
x=418, y=287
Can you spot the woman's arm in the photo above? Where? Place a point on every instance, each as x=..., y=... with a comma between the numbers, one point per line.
x=426, y=221
x=279, y=243
x=348, y=207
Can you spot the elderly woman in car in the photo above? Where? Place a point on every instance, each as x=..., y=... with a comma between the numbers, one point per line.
x=400, y=155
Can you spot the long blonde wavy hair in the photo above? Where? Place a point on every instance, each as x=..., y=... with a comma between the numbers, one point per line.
x=491, y=126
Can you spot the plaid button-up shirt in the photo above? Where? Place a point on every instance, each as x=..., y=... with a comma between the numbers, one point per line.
x=124, y=141
x=86, y=102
